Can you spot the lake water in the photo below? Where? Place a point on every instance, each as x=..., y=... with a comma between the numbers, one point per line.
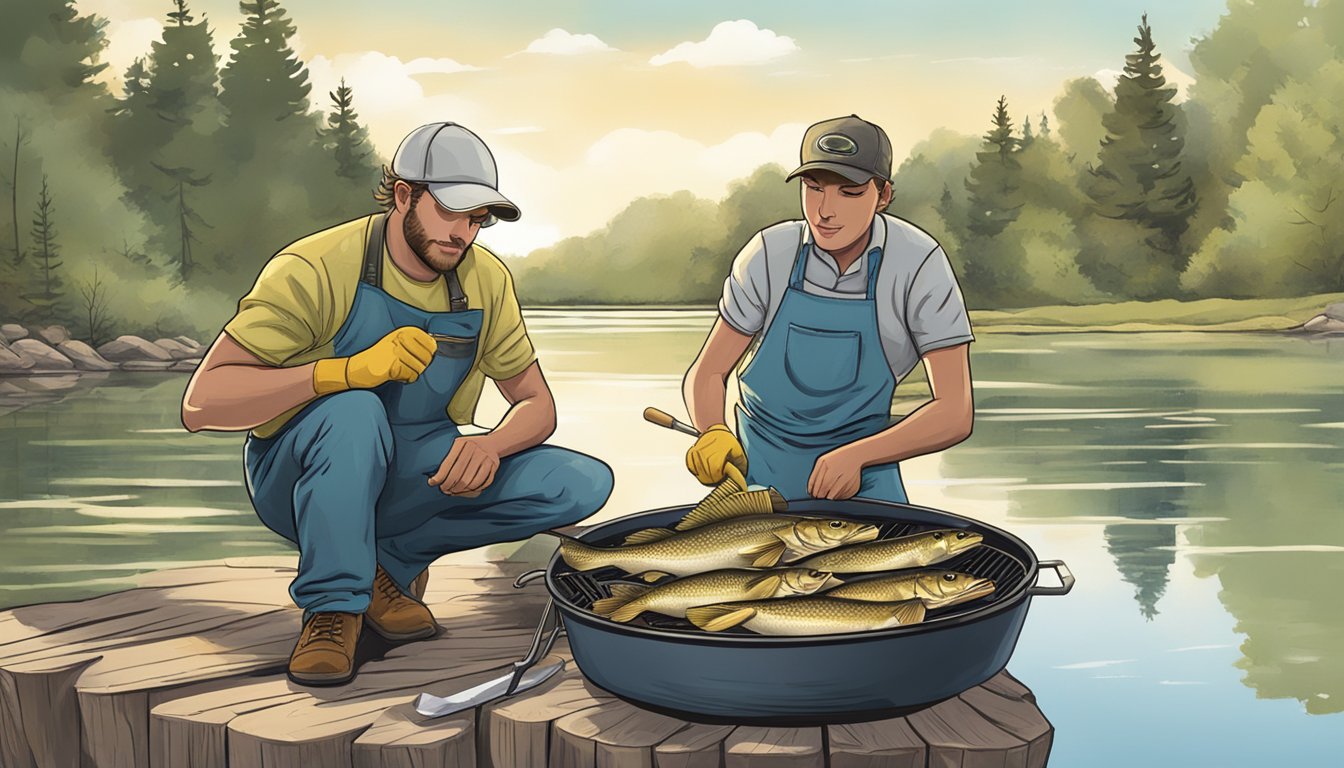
x=1191, y=482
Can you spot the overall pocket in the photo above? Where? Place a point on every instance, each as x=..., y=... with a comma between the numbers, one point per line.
x=821, y=362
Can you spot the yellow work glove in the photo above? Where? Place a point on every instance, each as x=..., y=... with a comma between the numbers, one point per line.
x=717, y=454
x=401, y=355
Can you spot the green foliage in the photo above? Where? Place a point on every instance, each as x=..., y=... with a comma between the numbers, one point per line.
x=1080, y=109
x=48, y=290
x=1285, y=234
x=347, y=140
x=665, y=249
x=264, y=85
x=47, y=47
x=1139, y=178
x=994, y=181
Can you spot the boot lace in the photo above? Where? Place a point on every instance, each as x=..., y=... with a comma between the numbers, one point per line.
x=384, y=584
x=325, y=626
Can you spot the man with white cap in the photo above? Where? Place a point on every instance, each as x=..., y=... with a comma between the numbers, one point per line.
x=842, y=305
x=353, y=361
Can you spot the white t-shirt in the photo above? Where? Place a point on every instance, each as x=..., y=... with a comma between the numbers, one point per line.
x=919, y=303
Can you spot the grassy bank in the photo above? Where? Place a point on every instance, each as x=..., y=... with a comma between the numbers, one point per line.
x=1167, y=315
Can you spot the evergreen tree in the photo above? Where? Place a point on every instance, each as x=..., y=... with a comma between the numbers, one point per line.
x=993, y=182
x=20, y=138
x=46, y=46
x=49, y=291
x=1139, y=177
x=1045, y=126
x=347, y=140
x=264, y=82
x=181, y=178
x=1027, y=137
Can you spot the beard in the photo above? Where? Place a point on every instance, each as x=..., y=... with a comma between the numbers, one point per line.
x=414, y=231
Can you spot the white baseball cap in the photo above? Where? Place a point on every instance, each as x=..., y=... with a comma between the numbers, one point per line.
x=458, y=168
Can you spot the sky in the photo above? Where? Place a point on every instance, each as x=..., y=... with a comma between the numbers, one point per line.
x=589, y=105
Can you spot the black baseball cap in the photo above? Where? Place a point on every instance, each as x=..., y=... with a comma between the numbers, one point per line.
x=850, y=146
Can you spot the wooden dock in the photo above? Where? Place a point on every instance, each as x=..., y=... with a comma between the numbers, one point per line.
x=187, y=671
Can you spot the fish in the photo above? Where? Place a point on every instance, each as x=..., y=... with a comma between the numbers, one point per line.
x=937, y=589
x=811, y=615
x=758, y=541
x=914, y=551
x=730, y=584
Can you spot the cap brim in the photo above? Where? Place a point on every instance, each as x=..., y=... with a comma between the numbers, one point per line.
x=856, y=175
x=465, y=196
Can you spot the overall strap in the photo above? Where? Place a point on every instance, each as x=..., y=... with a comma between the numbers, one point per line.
x=800, y=260
x=874, y=261
x=372, y=273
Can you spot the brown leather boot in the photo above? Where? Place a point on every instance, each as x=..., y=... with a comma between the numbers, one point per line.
x=325, y=653
x=420, y=584
x=396, y=615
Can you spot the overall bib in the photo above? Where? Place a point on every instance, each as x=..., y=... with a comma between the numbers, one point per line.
x=346, y=477
x=819, y=380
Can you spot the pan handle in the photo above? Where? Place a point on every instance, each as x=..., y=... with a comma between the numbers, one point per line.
x=1061, y=570
x=528, y=578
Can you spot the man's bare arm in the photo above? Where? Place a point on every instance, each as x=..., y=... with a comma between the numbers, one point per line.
x=232, y=390
x=472, y=462
x=941, y=423
x=706, y=384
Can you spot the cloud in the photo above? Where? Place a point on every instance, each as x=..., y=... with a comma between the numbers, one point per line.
x=126, y=41
x=730, y=43
x=620, y=166
x=388, y=97
x=558, y=42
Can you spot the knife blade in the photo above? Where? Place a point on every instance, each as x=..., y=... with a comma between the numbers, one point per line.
x=429, y=705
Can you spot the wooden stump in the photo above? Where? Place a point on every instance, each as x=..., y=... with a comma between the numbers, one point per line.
x=187, y=671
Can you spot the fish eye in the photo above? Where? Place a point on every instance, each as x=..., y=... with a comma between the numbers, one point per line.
x=961, y=534
x=814, y=574
x=938, y=536
x=836, y=524
x=949, y=577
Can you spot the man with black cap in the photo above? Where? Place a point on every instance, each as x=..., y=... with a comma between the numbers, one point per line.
x=353, y=361
x=844, y=304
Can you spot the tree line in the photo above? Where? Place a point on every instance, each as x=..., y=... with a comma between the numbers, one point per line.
x=151, y=211
x=1130, y=194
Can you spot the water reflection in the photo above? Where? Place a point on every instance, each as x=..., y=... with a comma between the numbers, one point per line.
x=1250, y=471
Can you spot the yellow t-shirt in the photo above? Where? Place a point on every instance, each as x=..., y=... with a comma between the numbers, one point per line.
x=304, y=293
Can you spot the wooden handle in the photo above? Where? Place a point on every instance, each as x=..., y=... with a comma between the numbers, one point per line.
x=661, y=418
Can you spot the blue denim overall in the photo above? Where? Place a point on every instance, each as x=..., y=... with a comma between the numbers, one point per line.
x=819, y=380
x=346, y=477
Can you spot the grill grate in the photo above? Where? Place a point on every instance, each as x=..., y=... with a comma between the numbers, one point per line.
x=582, y=589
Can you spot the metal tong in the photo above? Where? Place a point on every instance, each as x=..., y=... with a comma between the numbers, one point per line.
x=521, y=679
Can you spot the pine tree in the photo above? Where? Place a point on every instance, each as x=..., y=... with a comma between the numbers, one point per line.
x=183, y=84
x=49, y=290
x=346, y=139
x=181, y=178
x=264, y=82
x=1139, y=176
x=1045, y=126
x=46, y=46
x=993, y=182
x=1027, y=137
x=20, y=138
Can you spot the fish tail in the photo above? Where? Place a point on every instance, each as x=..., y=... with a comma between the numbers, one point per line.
x=623, y=605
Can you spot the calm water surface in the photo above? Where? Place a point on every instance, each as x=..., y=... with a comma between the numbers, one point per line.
x=1192, y=482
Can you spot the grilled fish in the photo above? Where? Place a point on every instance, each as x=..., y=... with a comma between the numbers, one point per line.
x=812, y=615
x=937, y=589
x=914, y=551
x=758, y=541
x=674, y=597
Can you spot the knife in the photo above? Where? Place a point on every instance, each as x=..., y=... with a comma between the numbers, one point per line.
x=435, y=706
